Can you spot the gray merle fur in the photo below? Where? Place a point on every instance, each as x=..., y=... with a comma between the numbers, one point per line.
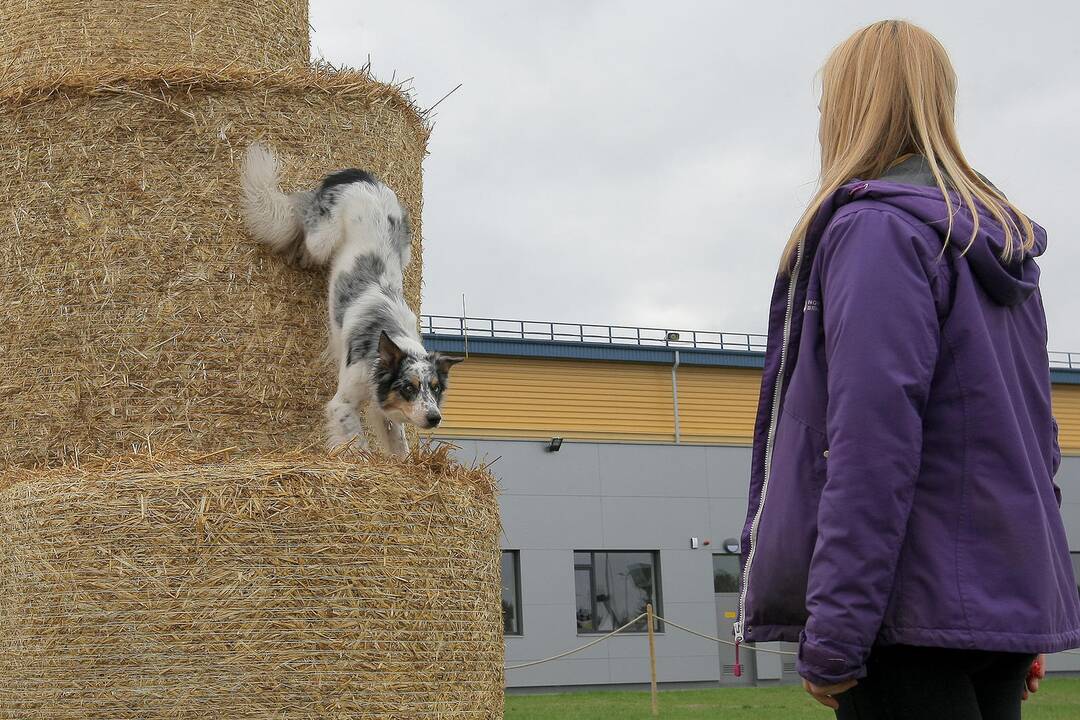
x=396, y=377
x=400, y=234
x=324, y=199
x=366, y=272
x=363, y=338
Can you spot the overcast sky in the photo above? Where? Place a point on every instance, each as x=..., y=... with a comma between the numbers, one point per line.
x=642, y=163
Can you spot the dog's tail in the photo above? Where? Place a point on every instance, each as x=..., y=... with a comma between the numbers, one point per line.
x=268, y=212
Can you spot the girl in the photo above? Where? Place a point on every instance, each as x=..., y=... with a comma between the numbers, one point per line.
x=903, y=524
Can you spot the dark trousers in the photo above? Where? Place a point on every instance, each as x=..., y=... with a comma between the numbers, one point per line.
x=914, y=683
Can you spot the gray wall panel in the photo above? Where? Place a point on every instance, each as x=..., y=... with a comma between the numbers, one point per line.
x=663, y=471
x=727, y=472
x=616, y=496
x=549, y=522
x=597, y=496
x=574, y=470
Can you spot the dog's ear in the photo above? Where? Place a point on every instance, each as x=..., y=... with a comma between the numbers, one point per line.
x=443, y=363
x=390, y=355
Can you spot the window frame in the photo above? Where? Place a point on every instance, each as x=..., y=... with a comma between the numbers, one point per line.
x=520, y=617
x=658, y=595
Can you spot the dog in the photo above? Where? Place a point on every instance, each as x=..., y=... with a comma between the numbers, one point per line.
x=354, y=222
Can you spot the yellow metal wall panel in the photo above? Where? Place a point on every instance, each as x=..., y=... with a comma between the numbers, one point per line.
x=538, y=398
x=1067, y=411
x=718, y=404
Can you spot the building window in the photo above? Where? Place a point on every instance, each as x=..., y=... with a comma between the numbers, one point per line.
x=612, y=588
x=511, y=592
x=725, y=573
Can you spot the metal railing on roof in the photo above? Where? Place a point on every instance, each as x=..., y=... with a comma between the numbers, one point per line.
x=476, y=327
x=590, y=333
x=1064, y=360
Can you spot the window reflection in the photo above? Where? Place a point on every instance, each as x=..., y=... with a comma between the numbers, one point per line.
x=511, y=592
x=614, y=587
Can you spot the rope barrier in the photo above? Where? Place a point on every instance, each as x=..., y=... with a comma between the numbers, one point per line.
x=577, y=649
x=615, y=632
x=685, y=629
x=751, y=648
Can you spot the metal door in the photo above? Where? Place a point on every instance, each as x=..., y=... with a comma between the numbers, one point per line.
x=726, y=595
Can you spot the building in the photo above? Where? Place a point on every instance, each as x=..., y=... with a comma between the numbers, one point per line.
x=644, y=498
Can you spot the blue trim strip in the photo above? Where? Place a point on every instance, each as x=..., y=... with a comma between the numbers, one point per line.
x=1062, y=376
x=515, y=347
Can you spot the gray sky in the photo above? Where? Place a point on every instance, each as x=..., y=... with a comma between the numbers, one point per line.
x=642, y=163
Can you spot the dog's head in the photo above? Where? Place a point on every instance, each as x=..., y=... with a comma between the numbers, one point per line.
x=411, y=387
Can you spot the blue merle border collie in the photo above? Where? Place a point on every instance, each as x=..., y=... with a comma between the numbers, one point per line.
x=355, y=223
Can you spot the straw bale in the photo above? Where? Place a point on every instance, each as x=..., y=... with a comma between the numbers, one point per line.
x=137, y=309
x=43, y=37
x=287, y=587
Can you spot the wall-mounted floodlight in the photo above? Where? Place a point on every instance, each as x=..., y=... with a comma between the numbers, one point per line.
x=673, y=337
x=555, y=444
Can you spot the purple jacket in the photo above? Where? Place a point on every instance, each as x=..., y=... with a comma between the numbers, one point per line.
x=902, y=487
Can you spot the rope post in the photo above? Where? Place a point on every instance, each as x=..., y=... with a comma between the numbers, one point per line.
x=650, y=617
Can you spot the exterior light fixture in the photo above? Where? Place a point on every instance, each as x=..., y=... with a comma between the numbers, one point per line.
x=731, y=546
x=673, y=337
x=555, y=444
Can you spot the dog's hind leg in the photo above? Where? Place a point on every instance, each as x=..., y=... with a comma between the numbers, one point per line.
x=320, y=241
x=390, y=434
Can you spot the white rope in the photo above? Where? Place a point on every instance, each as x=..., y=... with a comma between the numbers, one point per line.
x=577, y=649
x=613, y=633
x=751, y=648
x=672, y=623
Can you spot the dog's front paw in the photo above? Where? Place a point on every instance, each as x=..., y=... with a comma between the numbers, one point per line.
x=398, y=444
x=343, y=426
x=354, y=442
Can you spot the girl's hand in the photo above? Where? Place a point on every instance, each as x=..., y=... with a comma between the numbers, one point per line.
x=1037, y=673
x=824, y=694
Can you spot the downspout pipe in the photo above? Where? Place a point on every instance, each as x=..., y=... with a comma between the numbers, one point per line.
x=675, y=396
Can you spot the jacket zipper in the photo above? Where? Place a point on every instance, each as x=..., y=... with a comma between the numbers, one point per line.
x=740, y=624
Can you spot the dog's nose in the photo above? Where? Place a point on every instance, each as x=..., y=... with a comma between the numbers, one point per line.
x=433, y=419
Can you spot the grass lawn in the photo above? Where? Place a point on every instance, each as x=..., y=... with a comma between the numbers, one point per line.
x=1058, y=699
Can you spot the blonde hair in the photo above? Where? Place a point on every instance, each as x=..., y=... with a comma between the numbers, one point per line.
x=887, y=91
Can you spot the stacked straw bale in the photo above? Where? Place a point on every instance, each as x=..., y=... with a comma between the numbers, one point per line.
x=172, y=542
x=137, y=307
x=41, y=38
x=296, y=587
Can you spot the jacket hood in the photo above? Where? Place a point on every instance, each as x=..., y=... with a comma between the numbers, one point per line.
x=910, y=186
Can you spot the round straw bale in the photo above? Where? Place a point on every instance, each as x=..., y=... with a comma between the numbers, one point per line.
x=42, y=37
x=138, y=311
x=291, y=587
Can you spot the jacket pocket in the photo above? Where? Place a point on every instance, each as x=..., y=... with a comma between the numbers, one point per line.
x=788, y=528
